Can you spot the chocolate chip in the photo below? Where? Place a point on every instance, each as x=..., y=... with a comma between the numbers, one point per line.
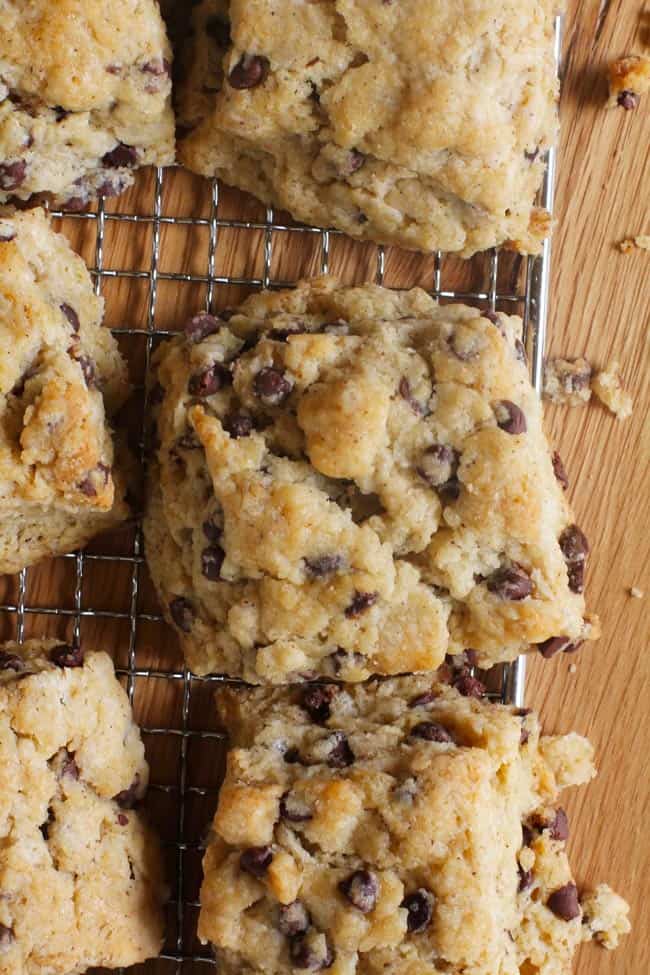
x=157, y=67
x=464, y=345
x=272, y=386
x=346, y=658
x=6, y=236
x=128, y=798
x=112, y=186
x=404, y=390
x=182, y=613
x=292, y=756
x=362, y=889
x=420, y=910
x=531, y=156
x=71, y=315
x=88, y=369
x=293, y=919
x=211, y=562
x=311, y=951
x=560, y=471
x=560, y=826
x=69, y=768
x=250, y=71
x=574, y=544
x=282, y=334
x=361, y=602
x=491, y=316
x=121, y=157
x=520, y=351
x=522, y=712
x=219, y=30
x=469, y=686
x=66, y=656
x=75, y=204
x=525, y=878
x=12, y=175
x=96, y=479
x=324, y=565
x=199, y=327
x=293, y=809
x=422, y=700
x=7, y=937
x=628, y=100
x=122, y=819
x=210, y=381
x=11, y=661
x=340, y=754
x=238, y=425
x=564, y=902
x=115, y=69
x=555, y=644
x=430, y=731
x=527, y=835
x=438, y=466
x=256, y=860
x=468, y=658
x=576, y=573
x=211, y=530
x=510, y=582
x=510, y=418
x=316, y=701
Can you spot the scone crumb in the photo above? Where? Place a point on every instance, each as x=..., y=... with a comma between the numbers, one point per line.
x=636, y=593
x=567, y=381
x=629, y=78
x=573, y=669
x=606, y=384
x=605, y=917
x=640, y=242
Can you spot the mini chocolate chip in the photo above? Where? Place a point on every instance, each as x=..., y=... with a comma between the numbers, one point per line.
x=362, y=889
x=531, y=156
x=75, y=204
x=404, y=390
x=324, y=565
x=88, y=369
x=112, y=186
x=11, y=661
x=211, y=562
x=628, y=100
x=256, y=860
x=520, y=351
x=122, y=819
x=560, y=471
x=316, y=701
x=65, y=656
x=430, y=731
x=574, y=544
x=346, y=658
x=12, y=175
x=272, y=386
x=555, y=644
x=525, y=878
x=6, y=236
x=211, y=530
x=292, y=756
x=182, y=613
x=464, y=345
x=576, y=572
x=294, y=809
x=238, y=425
x=564, y=902
x=293, y=919
x=510, y=582
x=97, y=478
x=128, y=798
x=361, y=601
x=340, y=754
x=199, y=327
x=420, y=910
x=157, y=67
x=560, y=826
x=524, y=735
x=121, y=157
x=7, y=936
x=311, y=951
x=527, y=835
x=69, y=768
x=115, y=69
x=250, y=71
x=219, y=30
x=510, y=418
x=210, y=381
x=469, y=686
x=422, y=700
x=71, y=315
x=491, y=316
x=438, y=465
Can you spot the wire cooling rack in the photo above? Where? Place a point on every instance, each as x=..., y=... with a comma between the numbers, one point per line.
x=104, y=596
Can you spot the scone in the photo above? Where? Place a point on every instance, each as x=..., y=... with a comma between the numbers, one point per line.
x=85, y=98
x=395, y=827
x=352, y=481
x=421, y=124
x=81, y=880
x=61, y=379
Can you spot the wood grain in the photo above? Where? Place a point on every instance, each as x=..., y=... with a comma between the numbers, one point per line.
x=600, y=306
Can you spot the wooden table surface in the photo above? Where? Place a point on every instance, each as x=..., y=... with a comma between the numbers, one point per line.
x=599, y=308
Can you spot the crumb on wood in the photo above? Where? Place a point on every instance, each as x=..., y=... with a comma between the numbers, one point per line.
x=606, y=384
x=641, y=242
x=567, y=381
x=629, y=78
x=636, y=593
x=573, y=668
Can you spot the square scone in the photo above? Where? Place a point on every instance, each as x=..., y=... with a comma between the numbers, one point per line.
x=421, y=124
x=395, y=826
x=85, y=98
x=350, y=481
x=81, y=882
x=62, y=379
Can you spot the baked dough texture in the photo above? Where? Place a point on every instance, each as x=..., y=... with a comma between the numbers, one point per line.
x=414, y=123
x=350, y=481
x=61, y=380
x=395, y=827
x=81, y=880
x=85, y=97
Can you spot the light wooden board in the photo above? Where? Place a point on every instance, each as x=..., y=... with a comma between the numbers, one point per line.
x=600, y=302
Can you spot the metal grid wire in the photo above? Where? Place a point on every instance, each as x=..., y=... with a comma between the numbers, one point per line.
x=507, y=681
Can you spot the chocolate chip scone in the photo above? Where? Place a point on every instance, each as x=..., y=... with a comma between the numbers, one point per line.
x=61, y=379
x=352, y=481
x=81, y=880
x=85, y=97
x=395, y=827
x=410, y=123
